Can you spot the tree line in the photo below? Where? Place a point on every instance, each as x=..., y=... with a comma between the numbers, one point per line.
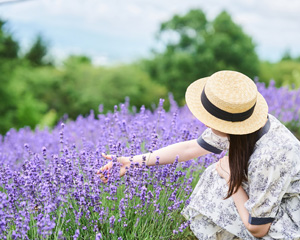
x=35, y=91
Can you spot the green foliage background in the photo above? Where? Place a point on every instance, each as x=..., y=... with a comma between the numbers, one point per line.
x=36, y=92
x=202, y=48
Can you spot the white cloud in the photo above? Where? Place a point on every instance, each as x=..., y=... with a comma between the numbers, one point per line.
x=123, y=30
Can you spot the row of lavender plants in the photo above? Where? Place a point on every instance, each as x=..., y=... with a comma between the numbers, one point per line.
x=48, y=183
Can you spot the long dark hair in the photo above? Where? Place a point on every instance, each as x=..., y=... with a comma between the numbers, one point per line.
x=241, y=148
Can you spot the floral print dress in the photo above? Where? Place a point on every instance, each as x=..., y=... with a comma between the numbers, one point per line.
x=273, y=188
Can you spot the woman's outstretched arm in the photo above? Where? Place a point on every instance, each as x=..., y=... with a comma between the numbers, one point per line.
x=184, y=150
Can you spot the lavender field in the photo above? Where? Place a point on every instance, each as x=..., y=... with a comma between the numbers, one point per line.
x=48, y=183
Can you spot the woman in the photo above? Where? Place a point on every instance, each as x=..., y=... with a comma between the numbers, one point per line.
x=254, y=192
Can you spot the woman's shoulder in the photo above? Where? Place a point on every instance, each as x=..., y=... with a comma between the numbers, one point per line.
x=277, y=144
x=279, y=134
x=275, y=122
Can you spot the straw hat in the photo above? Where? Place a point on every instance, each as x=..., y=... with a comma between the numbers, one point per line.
x=227, y=101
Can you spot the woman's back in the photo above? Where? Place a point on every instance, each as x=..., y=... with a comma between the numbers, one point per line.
x=273, y=188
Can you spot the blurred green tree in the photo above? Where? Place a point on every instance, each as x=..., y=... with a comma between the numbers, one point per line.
x=85, y=87
x=37, y=54
x=30, y=108
x=77, y=59
x=195, y=47
x=9, y=48
x=19, y=107
x=284, y=73
x=287, y=55
x=78, y=86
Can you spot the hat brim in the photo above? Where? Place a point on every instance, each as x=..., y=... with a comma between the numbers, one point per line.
x=253, y=123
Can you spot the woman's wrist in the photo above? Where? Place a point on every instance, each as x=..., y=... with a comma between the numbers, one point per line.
x=148, y=158
x=140, y=159
x=123, y=160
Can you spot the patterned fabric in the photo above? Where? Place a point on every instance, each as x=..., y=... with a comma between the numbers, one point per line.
x=273, y=188
x=212, y=142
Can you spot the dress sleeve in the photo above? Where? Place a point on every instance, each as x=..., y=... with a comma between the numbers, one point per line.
x=269, y=179
x=212, y=142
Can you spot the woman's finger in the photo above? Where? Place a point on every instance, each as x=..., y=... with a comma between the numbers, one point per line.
x=104, y=179
x=106, y=156
x=100, y=170
x=103, y=176
x=103, y=169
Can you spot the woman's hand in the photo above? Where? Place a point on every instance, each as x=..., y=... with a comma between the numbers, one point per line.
x=123, y=160
x=223, y=169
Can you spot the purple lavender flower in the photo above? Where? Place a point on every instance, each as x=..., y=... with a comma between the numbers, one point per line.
x=76, y=235
x=48, y=176
x=112, y=221
x=98, y=236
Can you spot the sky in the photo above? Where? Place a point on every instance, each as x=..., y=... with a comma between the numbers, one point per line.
x=115, y=31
